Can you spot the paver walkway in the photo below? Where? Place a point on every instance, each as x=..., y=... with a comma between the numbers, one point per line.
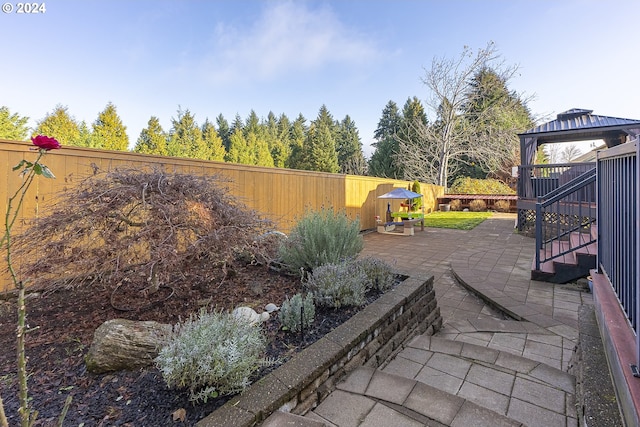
x=484, y=367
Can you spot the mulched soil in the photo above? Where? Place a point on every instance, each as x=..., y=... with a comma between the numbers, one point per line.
x=65, y=321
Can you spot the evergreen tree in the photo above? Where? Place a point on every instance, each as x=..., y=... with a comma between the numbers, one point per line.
x=12, y=126
x=185, y=137
x=349, y=147
x=108, y=131
x=239, y=149
x=298, y=135
x=86, y=137
x=59, y=125
x=496, y=116
x=152, y=139
x=212, y=140
x=320, y=149
x=281, y=149
x=237, y=124
x=262, y=154
x=223, y=130
x=413, y=118
x=325, y=117
x=382, y=162
x=252, y=124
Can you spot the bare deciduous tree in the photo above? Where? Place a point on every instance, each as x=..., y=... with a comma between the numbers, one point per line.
x=570, y=152
x=456, y=137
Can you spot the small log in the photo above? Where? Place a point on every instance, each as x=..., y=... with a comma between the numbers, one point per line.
x=121, y=344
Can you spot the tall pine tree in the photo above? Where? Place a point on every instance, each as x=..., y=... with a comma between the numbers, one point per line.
x=213, y=142
x=60, y=125
x=298, y=135
x=108, y=131
x=349, y=147
x=186, y=137
x=223, y=130
x=12, y=126
x=382, y=162
x=239, y=149
x=152, y=139
x=319, y=150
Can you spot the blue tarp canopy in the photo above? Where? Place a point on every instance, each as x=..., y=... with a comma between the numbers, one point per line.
x=400, y=193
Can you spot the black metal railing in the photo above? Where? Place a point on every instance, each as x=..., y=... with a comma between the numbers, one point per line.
x=564, y=218
x=618, y=252
x=537, y=180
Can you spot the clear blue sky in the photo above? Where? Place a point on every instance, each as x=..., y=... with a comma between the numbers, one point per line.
x=229, y=57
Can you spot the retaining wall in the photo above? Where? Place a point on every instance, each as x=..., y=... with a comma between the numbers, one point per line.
x=367, y=339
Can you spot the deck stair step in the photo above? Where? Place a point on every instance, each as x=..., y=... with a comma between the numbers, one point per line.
x=574, y=264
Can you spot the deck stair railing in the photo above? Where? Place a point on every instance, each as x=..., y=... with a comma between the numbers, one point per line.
x=619, y=230
x=539, y=180
x=564, y=219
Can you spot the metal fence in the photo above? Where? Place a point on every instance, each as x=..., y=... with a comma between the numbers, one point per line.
x=618, y=198
x=564, y=218
x=537, y=180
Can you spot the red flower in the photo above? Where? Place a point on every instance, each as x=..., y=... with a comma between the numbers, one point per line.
x=45, y=143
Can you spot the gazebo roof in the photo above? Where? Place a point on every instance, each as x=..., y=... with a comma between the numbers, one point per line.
x=578, y=119
x=577, y=125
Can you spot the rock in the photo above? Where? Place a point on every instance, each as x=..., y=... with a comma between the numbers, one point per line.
x=120, y=344
x=271, y=307
x=249, y=314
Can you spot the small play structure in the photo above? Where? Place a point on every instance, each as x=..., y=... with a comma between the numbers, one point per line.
x=401, y=222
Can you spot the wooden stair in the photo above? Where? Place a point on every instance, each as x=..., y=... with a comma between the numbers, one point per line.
x=571, y=266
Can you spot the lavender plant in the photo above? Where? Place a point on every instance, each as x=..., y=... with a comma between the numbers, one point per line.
x=212, y=354
x=297, y=312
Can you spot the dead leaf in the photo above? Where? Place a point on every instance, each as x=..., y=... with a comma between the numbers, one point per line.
x=179, y=414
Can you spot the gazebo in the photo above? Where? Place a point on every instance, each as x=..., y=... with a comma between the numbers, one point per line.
x=538, y=180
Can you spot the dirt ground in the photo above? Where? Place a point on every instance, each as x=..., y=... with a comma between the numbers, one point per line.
x=63, y=324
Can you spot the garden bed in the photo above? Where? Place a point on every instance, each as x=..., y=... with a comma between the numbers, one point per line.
x=368, y=338
x=65, y=320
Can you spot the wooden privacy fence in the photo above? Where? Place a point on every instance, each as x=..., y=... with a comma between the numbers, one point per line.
x=282, y=195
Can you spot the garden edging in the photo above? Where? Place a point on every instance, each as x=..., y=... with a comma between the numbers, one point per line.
x=367, y=339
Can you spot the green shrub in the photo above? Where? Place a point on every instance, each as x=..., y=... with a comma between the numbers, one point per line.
x=455, y=205
x=417, y=203
x=321, y=237
x=212, y=354
x=338, y=285
x=477, y=205
x=379, y=274
x=466, y=185
x=292, y=308
x=502, y=205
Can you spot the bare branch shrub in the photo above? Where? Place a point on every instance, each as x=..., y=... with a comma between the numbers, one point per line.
x=477, y=205
x=455, y=205
x=144, y=227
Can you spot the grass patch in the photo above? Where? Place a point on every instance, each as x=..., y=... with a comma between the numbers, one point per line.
x=456, y=220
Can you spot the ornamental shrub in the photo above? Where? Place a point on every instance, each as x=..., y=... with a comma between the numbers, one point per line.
x=212, y=354
x=321, y=237
x=292, y=309
x=338, y=285
x=477, y=205
x=417, y=203
x=455, y=205
x=466, y=185
x=502, y=205
x=380, y=275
